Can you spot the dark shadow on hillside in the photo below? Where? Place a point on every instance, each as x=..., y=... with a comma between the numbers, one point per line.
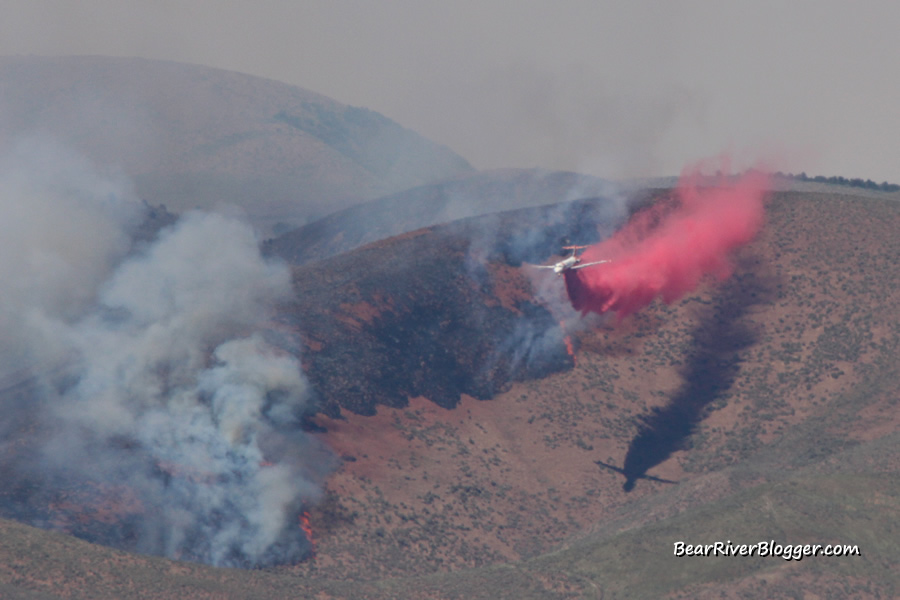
x=709, y=371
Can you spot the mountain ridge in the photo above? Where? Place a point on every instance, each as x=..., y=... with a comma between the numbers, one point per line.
x=433, y=204
x=194, y=137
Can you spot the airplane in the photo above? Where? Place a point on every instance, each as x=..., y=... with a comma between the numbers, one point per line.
x=570, y=263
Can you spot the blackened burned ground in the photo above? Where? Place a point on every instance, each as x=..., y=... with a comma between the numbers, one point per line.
x=422, y=314
x=438, y=312
x=414, y=316
x=441, y=311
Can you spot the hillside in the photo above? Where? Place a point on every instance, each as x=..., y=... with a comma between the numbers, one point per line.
x=793, y=361
x=440, y=312
x=795, y=352
x=192, y=136
x=466, y=196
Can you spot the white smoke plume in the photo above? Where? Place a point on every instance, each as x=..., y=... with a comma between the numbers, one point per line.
x=151, y=370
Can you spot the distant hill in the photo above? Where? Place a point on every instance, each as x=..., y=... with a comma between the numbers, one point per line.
x=854, y=182
x=484, y=193
x=423, y=206
x=193, y=136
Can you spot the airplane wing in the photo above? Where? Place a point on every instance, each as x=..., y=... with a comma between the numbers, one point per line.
x=590, y=264
x=541, y=266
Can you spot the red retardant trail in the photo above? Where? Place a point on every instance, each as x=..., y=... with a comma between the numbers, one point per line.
x=666, y=250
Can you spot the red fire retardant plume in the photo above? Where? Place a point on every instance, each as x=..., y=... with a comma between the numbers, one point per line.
x=666, y=250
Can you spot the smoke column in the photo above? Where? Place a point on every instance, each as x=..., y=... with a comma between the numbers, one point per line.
x=151, y=373
x=666, y=250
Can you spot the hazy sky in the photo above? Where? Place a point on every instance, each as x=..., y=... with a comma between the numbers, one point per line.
x=610, y=88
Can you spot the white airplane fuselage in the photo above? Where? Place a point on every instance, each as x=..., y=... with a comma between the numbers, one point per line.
x=571, y=262
x=566, y=264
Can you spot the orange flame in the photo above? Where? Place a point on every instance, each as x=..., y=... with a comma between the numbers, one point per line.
x=568, y=340
x=307, y=529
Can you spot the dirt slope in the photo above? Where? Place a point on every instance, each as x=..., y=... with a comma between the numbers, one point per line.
x=793, y=362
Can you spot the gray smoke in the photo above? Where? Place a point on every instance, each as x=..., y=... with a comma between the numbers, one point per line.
x=585, y=213
x=150, y=366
